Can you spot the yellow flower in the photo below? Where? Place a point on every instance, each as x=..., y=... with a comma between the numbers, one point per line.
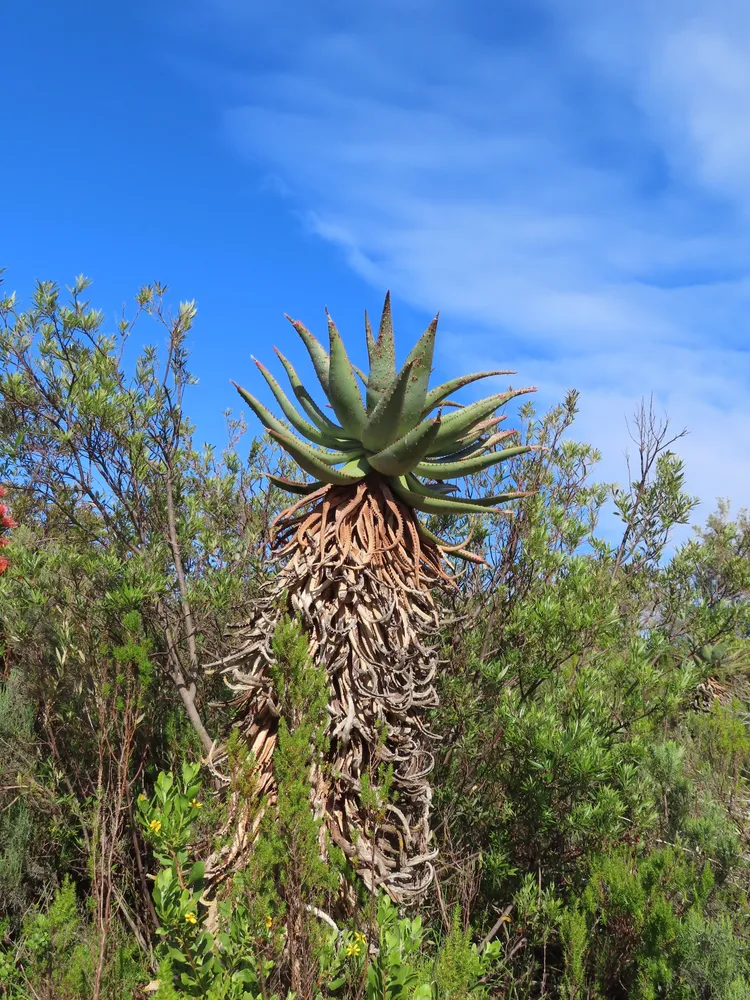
x=269, y=923
x=155, y=825
x=360, y=937
x=195, y=804
x=353, y=949
x=141, y=797
x=191, y=918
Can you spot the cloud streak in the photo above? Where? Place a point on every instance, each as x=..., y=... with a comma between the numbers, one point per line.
x=570, y=185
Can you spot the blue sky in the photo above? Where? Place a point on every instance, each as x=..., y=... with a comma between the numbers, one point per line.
x=568, y=182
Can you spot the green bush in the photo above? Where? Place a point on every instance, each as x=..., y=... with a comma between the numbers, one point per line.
x=593, y=754
x=56, y=955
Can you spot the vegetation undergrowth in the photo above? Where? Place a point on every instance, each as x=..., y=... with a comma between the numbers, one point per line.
x=591, y=780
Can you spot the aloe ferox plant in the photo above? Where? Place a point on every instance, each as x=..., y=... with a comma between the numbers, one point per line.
x=361, y=571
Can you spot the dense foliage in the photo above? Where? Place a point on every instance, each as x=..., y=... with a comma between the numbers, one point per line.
x=592, y=744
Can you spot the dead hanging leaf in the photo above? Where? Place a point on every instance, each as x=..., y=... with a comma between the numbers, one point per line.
x=356, y=569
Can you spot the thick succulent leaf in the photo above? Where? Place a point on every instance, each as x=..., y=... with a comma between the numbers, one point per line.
x=343, y=391
x=478, y=448
x=481, y=428
x=327, y=457
x=470, y=437
x=341, y=457
x=468, y=466
x=436, y=505
x=433, y=492
x=318, y=353
x=298, y=423
x=420, y=359
x=382, y=354
x=440, y=392
x=370, y=397
x=444, y=545
x=380, y=429
x=403, y=455
x=358, y=468
x=490, y=501
x=310, y=461
x=269, y=421
x=308, y=404
x=371, y=348
x=460, y=551
x=458, y=423
x=441, y=487
x=471, y=557
x=292, y=486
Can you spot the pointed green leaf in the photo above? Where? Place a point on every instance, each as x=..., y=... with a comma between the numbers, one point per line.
x=401, y=456
x=380, y=429
x=459, y=551
x=440, y=392
x=478, y=448
x=343, y=391
x=442, y=542
x=471, y=557
x=333, y=457
x=420, y=359
x=417, y=486
x=382, y=354
x=342, y=457
x=489, y=501
x=310, y=461
x=466, y=438
x=461, y=421
x=467, y=467
x=315, y=349
x=371, y=397
x=297, y=422
x=269, y=421
x=308, y=404
x=358, y=468
x=291, y=486
x=481, y=428
x=430, y=505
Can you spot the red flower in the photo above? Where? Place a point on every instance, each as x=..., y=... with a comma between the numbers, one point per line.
x=6, y=522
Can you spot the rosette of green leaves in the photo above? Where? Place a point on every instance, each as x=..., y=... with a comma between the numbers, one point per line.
x=398, y=429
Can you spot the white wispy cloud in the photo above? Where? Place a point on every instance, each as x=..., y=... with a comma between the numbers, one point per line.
x=568, y=183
